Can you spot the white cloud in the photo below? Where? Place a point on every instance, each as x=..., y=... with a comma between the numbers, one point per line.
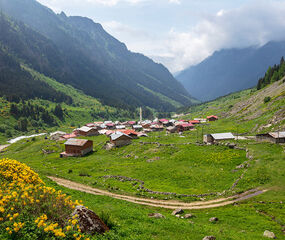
x=255, y=23
x=251, y=25
x=174, y=1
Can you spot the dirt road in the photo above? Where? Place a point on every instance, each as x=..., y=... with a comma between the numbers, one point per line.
x=2, y=147
x=160, y=203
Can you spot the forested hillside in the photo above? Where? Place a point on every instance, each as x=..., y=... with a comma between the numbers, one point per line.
x=272, y=75
x=77, y=51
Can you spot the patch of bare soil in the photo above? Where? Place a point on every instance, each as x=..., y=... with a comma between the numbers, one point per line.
x=160, y=203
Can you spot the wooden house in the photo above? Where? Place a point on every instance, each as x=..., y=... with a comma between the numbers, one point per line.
x=216, y=137
x=86, y=131
x=184, y=127
x=131, y=133
x=77, y=147
x=156, y=128
x=274, y=137
x=120, y=139
x=212, y=118
x=110, y=126
x=137, y=127
x=171, y=129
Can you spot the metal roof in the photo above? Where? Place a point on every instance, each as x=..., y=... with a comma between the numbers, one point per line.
x=84, y=129
x=117, y=135
x=76, y=142
x=121, y=127
x=137, y=126
x=222, y=136
x=277, y=134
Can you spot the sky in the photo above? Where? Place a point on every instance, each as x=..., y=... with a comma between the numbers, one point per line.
x=182, y=33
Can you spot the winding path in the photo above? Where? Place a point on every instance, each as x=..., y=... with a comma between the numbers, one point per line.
x=160, y=203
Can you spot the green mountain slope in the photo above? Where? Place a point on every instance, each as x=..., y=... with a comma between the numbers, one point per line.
x=77, y=51
x=37, y=114
x=248, y=111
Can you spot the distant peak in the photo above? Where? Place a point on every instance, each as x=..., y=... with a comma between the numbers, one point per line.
x=62, y=14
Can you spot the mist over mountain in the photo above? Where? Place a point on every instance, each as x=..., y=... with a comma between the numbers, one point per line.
x=230, y=70
x=77, y=51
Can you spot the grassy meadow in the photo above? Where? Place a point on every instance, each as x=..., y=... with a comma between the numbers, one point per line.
x=185, y=169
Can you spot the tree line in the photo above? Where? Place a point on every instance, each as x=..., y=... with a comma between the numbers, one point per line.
x=272, y=75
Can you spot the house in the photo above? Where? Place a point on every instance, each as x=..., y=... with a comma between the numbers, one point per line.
x=86, y=131
x=137, y=127
x=103, y=131
x=201, y=120
x=109, y=132
x=120, y=139
x=130, y=123
x=77, y=147
x=194, y=122
x=68, y=136
x=57, y=135
x=184, y=127
x=274, y=137
x=142, y=134
x=171, y=129
x=163, y=121
x=110, y=126
x=212, y=118
x=91, y=125
x=118, y=127
x=216, y=137
x=131, y=133
x=156, y=128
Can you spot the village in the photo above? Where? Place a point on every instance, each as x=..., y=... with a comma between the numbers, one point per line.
x=122, y=133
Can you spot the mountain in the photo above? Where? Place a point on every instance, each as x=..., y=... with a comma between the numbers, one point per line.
x=230, y=70
x=77, y=51
x=249, y=111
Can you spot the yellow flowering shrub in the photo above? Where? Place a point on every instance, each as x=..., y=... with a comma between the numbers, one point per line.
x=31, y=210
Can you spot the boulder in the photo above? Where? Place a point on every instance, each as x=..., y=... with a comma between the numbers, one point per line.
x=209, y=238
x=109, y=146
x=189, y=215
x=156, y=215
x=213, y=219
x=269, y=234
x=177, y=211
x=88, y=221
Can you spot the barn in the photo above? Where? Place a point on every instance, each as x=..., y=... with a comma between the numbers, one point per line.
x=274, y=137
x=86, y=131
x=120, y=139
x=184, y=127
x=77, y=147
x=212, y=118
x=216, y=137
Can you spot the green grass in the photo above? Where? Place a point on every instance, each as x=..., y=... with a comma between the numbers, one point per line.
x=182, y=168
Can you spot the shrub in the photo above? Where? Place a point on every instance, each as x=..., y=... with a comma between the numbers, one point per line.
x=31, y=210
x=266, y=99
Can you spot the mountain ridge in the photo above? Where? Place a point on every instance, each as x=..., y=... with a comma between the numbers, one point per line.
x=230, y=70
x=91, y=60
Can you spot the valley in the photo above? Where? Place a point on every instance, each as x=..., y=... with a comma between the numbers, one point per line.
x=100, y=142
x=163, y=172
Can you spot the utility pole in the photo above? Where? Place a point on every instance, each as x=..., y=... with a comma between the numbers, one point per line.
x=237, y=133
x=140, y=114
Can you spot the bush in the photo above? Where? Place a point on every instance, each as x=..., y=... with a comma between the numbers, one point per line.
x=30, y=210
x=267, y=99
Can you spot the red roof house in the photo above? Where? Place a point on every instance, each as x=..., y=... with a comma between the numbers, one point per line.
x=185, y=127
x=77, y=147
x=212, y=118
